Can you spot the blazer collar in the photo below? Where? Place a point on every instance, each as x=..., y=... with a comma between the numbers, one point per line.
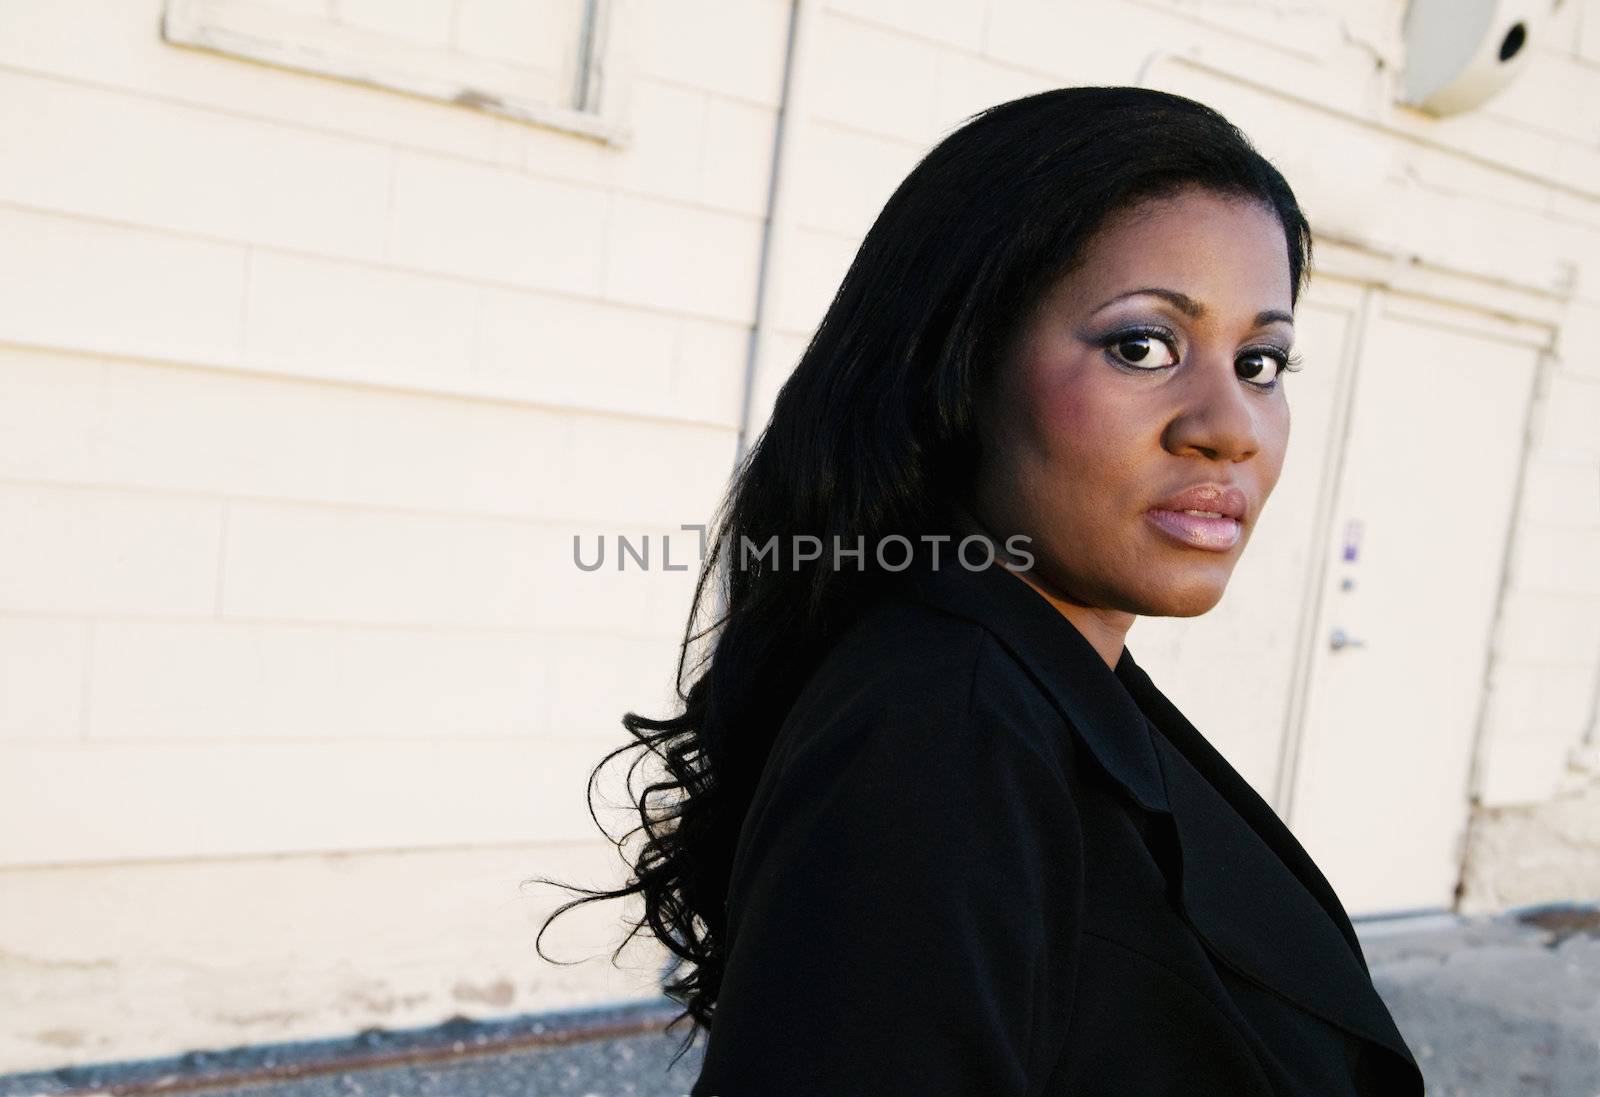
x=1062, y=661
x=1233, y=848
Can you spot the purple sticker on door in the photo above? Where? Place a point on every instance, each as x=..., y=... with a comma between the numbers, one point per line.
x=1352, y=539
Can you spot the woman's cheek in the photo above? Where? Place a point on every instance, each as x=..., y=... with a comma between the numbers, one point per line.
x=1064, y=409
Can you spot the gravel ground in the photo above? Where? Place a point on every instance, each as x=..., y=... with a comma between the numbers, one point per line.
x=1495, y=1007
x=1492, y=1006
x=632, y=1067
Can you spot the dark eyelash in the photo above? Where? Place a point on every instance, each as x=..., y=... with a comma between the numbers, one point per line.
x=1129, y=334
x=1287, y=362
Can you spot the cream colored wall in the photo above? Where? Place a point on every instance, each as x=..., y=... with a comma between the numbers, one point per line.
x=305, y=387
x=1497, y=210
x=304, y=390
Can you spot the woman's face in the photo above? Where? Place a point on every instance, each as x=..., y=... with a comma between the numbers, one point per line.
x=1152, y=369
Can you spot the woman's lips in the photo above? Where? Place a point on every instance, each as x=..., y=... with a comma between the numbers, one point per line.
x=1216, y=534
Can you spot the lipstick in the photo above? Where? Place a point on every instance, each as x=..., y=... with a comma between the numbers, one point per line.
x=1205, y=516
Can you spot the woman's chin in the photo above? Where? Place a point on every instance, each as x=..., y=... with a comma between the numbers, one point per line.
x=1185, y=596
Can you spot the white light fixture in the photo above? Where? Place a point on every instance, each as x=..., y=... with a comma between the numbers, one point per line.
x=1460, y=53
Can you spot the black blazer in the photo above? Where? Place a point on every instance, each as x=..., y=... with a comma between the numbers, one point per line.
x=980, y=862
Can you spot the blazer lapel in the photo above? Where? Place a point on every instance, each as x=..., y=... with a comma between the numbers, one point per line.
x=1236, y=853
x=1201, y=756
x=1248, y=888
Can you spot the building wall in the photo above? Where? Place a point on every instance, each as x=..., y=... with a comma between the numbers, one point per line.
x=306, y=386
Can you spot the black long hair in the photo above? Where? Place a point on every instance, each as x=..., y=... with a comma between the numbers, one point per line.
x=873, y=435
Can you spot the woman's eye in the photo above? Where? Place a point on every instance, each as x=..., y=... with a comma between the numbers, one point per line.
x=1263, y=367
x=1142, y=351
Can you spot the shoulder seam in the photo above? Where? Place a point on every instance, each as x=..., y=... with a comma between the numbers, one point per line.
x=989, y=642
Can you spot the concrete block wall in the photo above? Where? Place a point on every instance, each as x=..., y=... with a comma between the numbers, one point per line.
x=1498, y=207
x=306, y=386
x=305, y=389
x=1534, y=836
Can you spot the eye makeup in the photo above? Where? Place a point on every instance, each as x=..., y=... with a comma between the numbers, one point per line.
x=1287, y=360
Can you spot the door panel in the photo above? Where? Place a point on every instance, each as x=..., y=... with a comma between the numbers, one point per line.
x=1379, y=790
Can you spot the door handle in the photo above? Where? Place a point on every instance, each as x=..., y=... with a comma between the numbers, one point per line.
x=1340, y=640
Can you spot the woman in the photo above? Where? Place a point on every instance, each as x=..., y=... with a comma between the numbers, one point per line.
x=927, y=828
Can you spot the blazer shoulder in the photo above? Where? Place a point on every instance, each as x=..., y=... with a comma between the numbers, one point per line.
x=906, y=866
x=907, y=665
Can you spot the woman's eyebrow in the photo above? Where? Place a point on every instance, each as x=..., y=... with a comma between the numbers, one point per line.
x=1194, y=309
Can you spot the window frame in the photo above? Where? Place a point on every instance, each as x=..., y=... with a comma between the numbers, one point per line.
x=286, y=40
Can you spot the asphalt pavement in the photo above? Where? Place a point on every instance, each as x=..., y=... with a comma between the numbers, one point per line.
x=1501, y=1006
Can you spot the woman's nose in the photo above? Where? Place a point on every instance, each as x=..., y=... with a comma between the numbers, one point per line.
x=1214, y=416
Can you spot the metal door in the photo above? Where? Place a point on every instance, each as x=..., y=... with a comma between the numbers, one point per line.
x=1382, y=731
